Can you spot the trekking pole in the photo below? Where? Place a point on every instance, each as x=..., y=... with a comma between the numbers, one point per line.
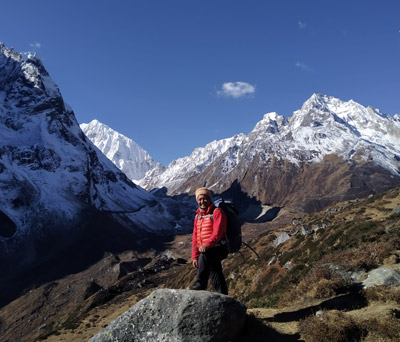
x=247, y=245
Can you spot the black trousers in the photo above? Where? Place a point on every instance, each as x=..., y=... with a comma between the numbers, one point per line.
x=210, y=267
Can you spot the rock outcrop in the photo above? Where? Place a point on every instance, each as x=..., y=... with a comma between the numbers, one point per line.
x=178, y=316
x=382, y=276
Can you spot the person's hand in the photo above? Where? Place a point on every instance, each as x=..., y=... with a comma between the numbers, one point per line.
x=196, y=263
x=202, y=248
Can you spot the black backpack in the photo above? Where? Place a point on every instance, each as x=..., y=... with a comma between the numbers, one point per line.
x=233, y=238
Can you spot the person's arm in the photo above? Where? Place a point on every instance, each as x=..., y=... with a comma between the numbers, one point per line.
x=195, y=251
x=219, y=228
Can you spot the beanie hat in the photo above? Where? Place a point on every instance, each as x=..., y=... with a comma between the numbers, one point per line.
x=202, y=191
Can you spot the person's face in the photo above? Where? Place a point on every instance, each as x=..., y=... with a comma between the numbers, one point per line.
x=204, y=201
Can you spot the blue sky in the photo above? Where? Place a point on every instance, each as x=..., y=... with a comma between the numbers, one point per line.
x=176, y=74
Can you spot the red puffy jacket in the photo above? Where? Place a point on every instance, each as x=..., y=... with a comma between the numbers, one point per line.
x=207, y=231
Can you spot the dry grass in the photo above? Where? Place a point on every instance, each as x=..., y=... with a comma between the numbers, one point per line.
x=320, y=283
x=330, y=326
x=386, y=329
x=365, y=257
x=382, y=294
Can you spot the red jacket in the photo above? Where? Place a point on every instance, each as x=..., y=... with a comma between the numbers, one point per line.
x=206, y=231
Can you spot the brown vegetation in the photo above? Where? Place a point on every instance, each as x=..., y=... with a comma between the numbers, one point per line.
x=330, y=326
x=283, y=287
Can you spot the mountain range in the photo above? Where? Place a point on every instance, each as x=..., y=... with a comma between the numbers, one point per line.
x=328, y=150
x=64, y=203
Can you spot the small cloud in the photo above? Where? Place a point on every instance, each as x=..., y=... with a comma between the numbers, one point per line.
x=236, y=89
x=35, y=45
x=303, y=66
x=302, y=25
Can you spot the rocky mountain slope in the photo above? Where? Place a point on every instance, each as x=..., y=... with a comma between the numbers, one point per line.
x=179, y=171
x=83, y=243
x=127, y=155
x=307, y=281
x=327, y=151
x=56, y=187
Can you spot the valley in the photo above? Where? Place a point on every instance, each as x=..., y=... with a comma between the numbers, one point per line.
x=82, y=238
x=360, y=235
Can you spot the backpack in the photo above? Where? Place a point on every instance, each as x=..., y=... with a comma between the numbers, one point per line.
x=233, y=238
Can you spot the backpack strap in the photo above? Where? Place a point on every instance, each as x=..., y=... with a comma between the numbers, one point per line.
x=211, y=216
x=204, y=216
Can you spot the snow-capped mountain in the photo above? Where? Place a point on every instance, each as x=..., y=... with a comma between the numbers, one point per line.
x=126, y=154
x=56, y=187
x=140, y=167
x=326, y=151
x=326, y=125
x=178, y=171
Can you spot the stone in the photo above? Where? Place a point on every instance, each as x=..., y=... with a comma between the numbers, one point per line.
x=306, y=230
x=390, y=260
x=178, y=316
x=288, y=265
x=382, y=276
x=397, y=210
x=283, y=237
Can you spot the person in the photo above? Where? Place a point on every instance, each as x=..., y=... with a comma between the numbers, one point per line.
x=207, y=251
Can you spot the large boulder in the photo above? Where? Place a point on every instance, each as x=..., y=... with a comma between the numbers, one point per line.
x=178, y=316
x=382, y=276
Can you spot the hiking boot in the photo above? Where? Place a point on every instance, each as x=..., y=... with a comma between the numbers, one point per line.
x=195, y=287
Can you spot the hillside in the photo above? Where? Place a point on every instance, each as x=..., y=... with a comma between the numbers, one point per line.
x=63, y=203
x=312, y=265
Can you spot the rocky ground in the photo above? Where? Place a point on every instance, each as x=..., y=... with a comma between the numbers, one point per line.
x=285, y=287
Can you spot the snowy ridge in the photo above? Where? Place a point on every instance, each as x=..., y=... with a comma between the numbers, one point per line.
x=323, y=126
x=178, y=171
x=326, y=125
x=126, y=154
x=53, y=180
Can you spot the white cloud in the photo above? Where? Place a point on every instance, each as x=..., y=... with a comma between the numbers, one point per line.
x=35, y=45
x=303, y=66
x=302, y=25
x=236, y=89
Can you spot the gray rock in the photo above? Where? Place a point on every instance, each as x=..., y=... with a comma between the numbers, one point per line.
x=272, y=261
x=348, y=276
x=283, y=237
x=382, y=276
x=397, y=210
x=306, y=230
x=177, y=316
x=288, y=265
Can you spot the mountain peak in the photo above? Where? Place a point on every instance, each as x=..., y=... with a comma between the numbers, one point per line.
x=54, y=183
x=270, y=123
x=272, y=116
x=125, y=153
x=320, y=101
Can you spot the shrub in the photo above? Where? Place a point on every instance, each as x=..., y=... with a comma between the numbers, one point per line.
x=330, y=326
x=321, y=282
x=394, y=216
x=365, y=257
x=382, y=294
x=267, y=301
x=387, y=329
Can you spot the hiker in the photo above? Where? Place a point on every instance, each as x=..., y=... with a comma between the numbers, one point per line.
x=207, y=252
